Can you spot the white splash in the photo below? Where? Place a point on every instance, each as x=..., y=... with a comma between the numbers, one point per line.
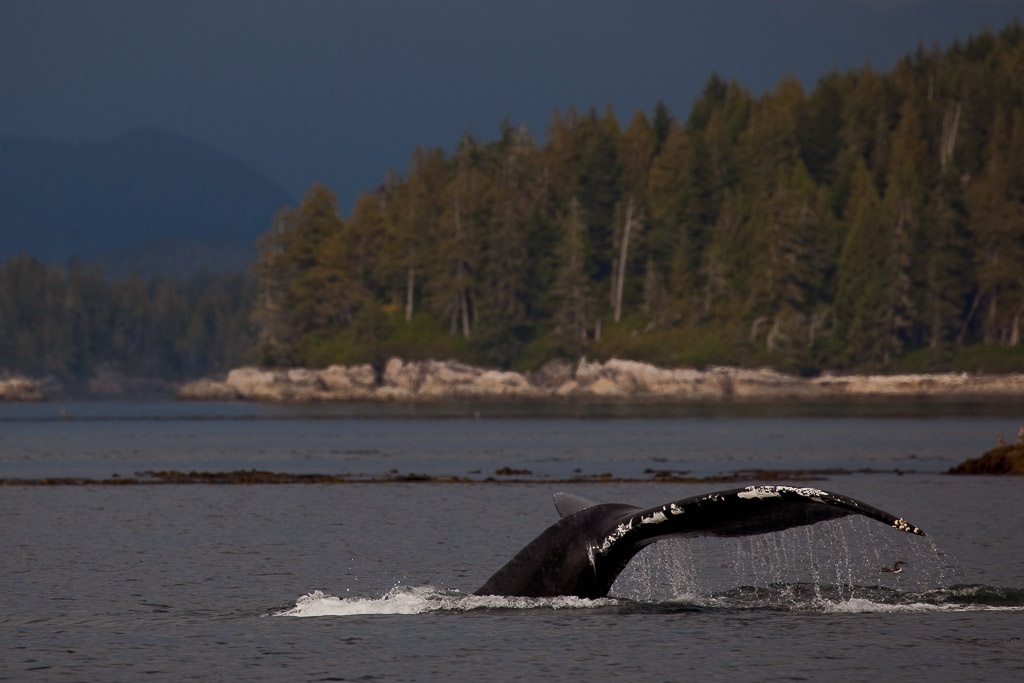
x=424, y=599
x=864, y=605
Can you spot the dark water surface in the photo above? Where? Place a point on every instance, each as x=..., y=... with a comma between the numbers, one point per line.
x=206, y=582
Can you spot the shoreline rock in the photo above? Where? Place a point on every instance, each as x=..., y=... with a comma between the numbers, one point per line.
x=614, y=380
x=1007, y=459
x=20, y=389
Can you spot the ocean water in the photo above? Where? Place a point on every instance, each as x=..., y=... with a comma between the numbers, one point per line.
x=373, y=581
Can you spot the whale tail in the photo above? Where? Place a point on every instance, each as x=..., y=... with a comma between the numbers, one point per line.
x=583, y=553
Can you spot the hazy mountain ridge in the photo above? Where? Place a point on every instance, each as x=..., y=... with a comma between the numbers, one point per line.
x=146, y=186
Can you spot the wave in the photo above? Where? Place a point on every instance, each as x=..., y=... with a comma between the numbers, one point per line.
x=811, y=598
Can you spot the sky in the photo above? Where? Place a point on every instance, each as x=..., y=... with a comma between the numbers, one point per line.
x=337, y=92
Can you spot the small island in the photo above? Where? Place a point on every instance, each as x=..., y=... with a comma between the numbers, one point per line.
x=830, y=234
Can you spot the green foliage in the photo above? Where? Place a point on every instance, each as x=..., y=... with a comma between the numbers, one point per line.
x=72, y=323
x=873, y=223
x=694, y=347
x=848, y=227
x=989, y=358
x=984, y=358
x=543, y=345
x=425, y=338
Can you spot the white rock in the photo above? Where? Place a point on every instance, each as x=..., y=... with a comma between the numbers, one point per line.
x=604, y=387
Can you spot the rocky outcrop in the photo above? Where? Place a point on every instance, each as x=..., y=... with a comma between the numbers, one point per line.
x=431, y=380
x=1007, y=459
x=20, y=389
x=336, y=383
x=400, y=381
x=958, y=385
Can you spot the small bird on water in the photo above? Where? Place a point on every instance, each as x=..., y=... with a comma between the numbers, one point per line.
x=895, y=569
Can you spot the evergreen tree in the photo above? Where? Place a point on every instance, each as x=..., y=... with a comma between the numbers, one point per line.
x=864, y=119
x=816, y=130
x=289, y=302
x=455, y=251
x=676, y=236
x=599, y=191
x=904, y=203
x=90, y=312
x=572, y=285
x=506, y=257
x=996, y=224
x=661, y=124
x=635, y=152
x=715, y=126
x=946, y=261
x=33, y=317
x=861, y=269
x=794, y=234
x=414, y=216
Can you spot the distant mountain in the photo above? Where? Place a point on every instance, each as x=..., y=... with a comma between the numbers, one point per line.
x=148, y=198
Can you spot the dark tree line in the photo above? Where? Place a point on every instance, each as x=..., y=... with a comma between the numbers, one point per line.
x=875, y=220
x=71, y=323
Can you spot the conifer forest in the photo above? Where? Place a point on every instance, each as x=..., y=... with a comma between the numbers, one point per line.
x=873, y=223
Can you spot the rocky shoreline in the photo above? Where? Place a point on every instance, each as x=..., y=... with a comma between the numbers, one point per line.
x=20, y=389
x=614, y=380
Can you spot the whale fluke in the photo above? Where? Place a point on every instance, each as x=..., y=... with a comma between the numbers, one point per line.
x=584, y=552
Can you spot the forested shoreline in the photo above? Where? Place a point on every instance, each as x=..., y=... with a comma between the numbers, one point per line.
x=73, y=324
x=872, y=224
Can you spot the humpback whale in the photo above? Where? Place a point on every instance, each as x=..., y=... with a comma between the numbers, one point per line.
x=583, y=552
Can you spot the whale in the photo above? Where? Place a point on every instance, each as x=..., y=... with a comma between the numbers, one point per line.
x=583, y=552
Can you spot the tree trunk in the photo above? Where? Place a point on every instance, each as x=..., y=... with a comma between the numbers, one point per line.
x=967, y=319
x=755, y=327
x=461, y=303
x=410, y=290
x=620, y=272
x=950, y=123
x=816, y=323
x=990, y=332
x=1013, y=333
x=464, y=308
